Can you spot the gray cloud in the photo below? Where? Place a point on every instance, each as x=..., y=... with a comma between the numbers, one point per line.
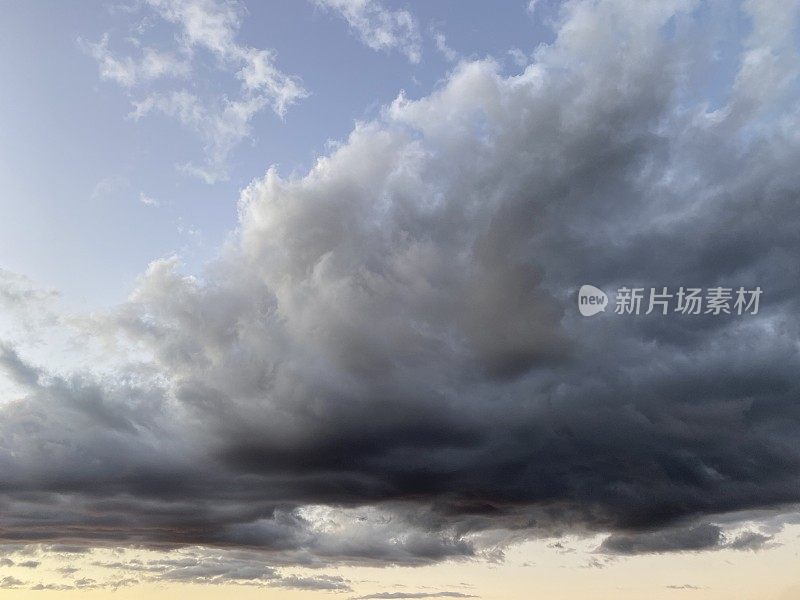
x=685, y=586
x=323, y=582
x=401, y=595
x=750, y=540
x=679, y=539
x=701, y=537
x=10, y=582
x=386, y=365
x=221, y=567
x=84, y=584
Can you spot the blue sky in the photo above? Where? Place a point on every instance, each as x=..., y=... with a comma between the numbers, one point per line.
x=74, y=165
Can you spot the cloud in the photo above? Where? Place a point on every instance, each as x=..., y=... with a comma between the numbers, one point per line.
x=441, y=45
x=17, y=369
x=213, y=25
x=129, y=72
x=11, y=583
x=323, y=582
x=29, y=564
x=68, y=570
x=386, y=364
x=147, y=200
x=17, y=292
x=750, y=540
x=215, y=569
x=220, y=120
x=701, y=537
x=685, y=586
x=681, y=539
x=407, y=595
x=221, y=567
x=109, y=188
x=221, y=128
x=84, y=584
x=379, y=28
x=519, y=57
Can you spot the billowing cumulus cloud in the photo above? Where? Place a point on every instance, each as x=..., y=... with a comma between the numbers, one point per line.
x=387, y=366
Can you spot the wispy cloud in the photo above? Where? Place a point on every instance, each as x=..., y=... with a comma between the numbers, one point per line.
x=412, y=595
x=220, y=121
x=441, y=45
x=147, y=200
x=685, y=586
x=378, y=27
x=130, y=71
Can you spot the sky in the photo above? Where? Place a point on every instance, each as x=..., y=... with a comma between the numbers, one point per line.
x=66, y=112
x=338, y=299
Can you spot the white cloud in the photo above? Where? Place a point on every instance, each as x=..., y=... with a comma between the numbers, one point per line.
x=109, y=187
x=220, y=121
x=378, y=27
x=212, y=25
x=221, y=126
x=147, y=200
x=258, y=74
x=128, y=71
x=519, y=57
x=208, y=23
x=443, y=48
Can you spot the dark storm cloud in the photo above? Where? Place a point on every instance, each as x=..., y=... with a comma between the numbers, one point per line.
x=388, y=367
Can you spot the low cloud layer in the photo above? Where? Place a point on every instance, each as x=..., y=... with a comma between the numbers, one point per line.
x=683, y=539
x=406, y=595
x=387, y=366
